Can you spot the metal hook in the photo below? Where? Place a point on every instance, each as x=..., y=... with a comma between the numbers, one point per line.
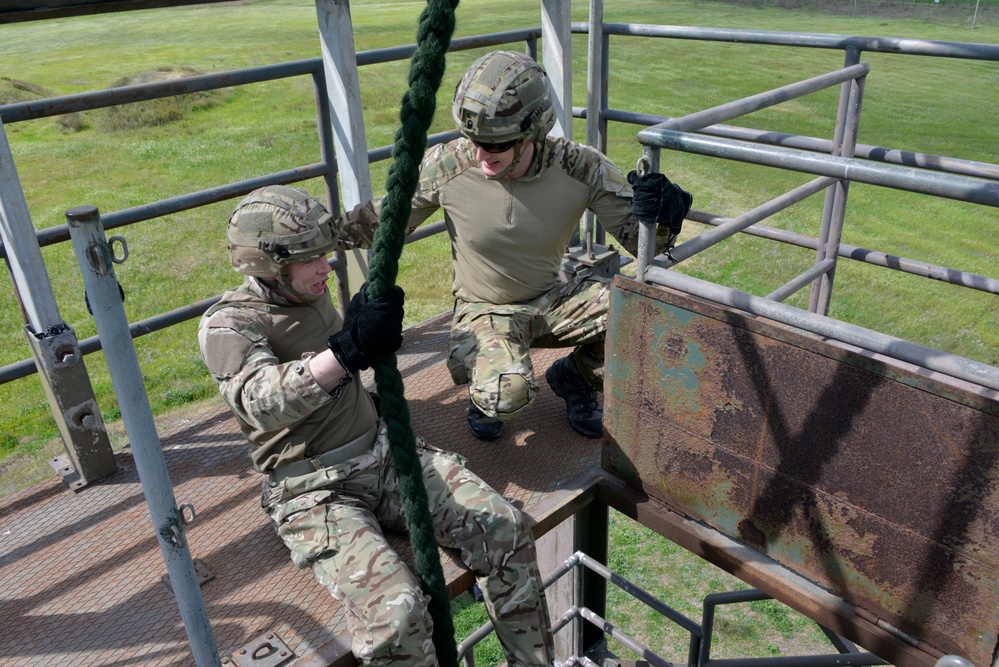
x=177, y=537
x=183, y=517
x=643, y=167
x=124, y=249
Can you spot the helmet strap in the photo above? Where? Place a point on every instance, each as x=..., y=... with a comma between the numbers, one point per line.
x=282, y=283
x=518, y=154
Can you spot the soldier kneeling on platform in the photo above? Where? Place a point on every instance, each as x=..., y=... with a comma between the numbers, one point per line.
x=286, y=364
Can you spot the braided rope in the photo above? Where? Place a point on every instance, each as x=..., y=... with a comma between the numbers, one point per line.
x=433, y=36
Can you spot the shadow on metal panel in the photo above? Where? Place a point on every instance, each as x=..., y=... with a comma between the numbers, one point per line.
x=875, y=479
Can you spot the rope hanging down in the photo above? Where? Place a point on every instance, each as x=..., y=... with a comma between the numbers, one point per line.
x=433, y=37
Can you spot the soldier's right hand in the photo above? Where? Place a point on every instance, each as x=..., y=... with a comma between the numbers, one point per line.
x=372, y=330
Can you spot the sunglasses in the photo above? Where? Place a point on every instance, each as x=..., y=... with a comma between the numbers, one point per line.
x=501, y=147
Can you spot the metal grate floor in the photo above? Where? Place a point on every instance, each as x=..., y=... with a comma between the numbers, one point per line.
x=83, y=580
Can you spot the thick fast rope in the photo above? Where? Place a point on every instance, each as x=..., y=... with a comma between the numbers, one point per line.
x=433, y=36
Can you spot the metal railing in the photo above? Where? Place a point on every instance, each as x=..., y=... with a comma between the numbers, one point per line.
x=834, y=161
x=699, y=647
x=45, y=108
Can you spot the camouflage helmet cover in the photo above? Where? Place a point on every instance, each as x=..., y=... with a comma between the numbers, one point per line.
x=275, y=226
x=503, y=96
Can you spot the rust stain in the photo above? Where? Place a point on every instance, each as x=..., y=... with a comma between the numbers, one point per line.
x=870, y=480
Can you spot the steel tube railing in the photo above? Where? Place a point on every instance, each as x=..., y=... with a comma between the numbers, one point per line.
x=128, y=216
x=950, y=186
x=739, y=223
x=834, y=208
x=831, y=660
x=801, y=280
x=56, y=106
x=687, y=624
x=911, y=47
x=875, y=257
x=714, y=600
x=766, y=99
x=819, y=145
x=581, y=559
x=627, y=640
x=143, y=92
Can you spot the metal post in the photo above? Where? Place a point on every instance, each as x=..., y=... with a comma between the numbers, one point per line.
x=556, y=52
x=96, y=257
x=647, y=230
x=594, y=99
x=53, y=343
x=327, y=153
x=336, y=36
x=591, y=538
x=834, y=209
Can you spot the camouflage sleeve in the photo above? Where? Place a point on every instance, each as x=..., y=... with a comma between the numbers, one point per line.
x=356, y=228
x=611, y=203
x=426, y=199
x=440, y=164
x=263, y=393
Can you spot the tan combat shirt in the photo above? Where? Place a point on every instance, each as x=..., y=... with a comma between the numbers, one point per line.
x=508, y=237
x=255, y=344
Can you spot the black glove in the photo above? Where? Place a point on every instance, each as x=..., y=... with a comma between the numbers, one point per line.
x=657, y=200
x=372, y=330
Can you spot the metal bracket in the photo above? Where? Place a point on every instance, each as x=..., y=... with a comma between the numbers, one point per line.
x=265, y=651
x=63, y=467
x=603, y=261
x=203, y=573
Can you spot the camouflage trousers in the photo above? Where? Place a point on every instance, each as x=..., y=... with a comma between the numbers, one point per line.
x=490, y=345
x=333, y=520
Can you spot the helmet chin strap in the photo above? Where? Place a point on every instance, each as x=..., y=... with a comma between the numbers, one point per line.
x=518, y=154
x=279, y=283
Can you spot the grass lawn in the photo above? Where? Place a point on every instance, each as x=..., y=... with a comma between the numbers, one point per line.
x=115, y=160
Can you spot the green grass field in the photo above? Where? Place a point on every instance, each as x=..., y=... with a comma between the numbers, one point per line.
x=117, y=160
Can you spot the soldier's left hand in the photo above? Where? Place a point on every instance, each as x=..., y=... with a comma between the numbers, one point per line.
x=372, y=329
x=658, y=200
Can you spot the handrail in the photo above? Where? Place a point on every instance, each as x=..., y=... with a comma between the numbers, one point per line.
x=837, y=159
x=894, y=45
x=950, y=186
x=961, y=179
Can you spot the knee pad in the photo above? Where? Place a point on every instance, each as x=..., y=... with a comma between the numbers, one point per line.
x=507, y=398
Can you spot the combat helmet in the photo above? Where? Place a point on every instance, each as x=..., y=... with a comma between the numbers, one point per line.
x=504, y=96
x=275, y=226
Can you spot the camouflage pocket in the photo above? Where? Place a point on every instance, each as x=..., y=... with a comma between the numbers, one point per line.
x=422, y=444
x=307, y=526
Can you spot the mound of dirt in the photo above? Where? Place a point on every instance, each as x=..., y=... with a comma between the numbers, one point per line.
x=154, y=112
x=13, y=91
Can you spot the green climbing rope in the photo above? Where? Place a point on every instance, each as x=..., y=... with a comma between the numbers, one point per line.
x=433, y=37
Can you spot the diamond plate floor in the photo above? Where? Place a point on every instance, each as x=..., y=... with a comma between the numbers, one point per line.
x=82, y=576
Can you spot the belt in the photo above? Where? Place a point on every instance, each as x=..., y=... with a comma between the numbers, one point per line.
x=355, y=447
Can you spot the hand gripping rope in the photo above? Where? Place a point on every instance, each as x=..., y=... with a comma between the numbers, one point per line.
x=433, y=36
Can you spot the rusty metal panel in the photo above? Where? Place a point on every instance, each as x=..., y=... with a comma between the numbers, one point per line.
x=877, y=480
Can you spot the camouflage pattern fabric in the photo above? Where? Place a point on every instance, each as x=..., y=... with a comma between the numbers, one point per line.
x=258, y=347
x=332, y=521
x=508, y=237
x=490, y=345
x=498, y=95
x=278, y=224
